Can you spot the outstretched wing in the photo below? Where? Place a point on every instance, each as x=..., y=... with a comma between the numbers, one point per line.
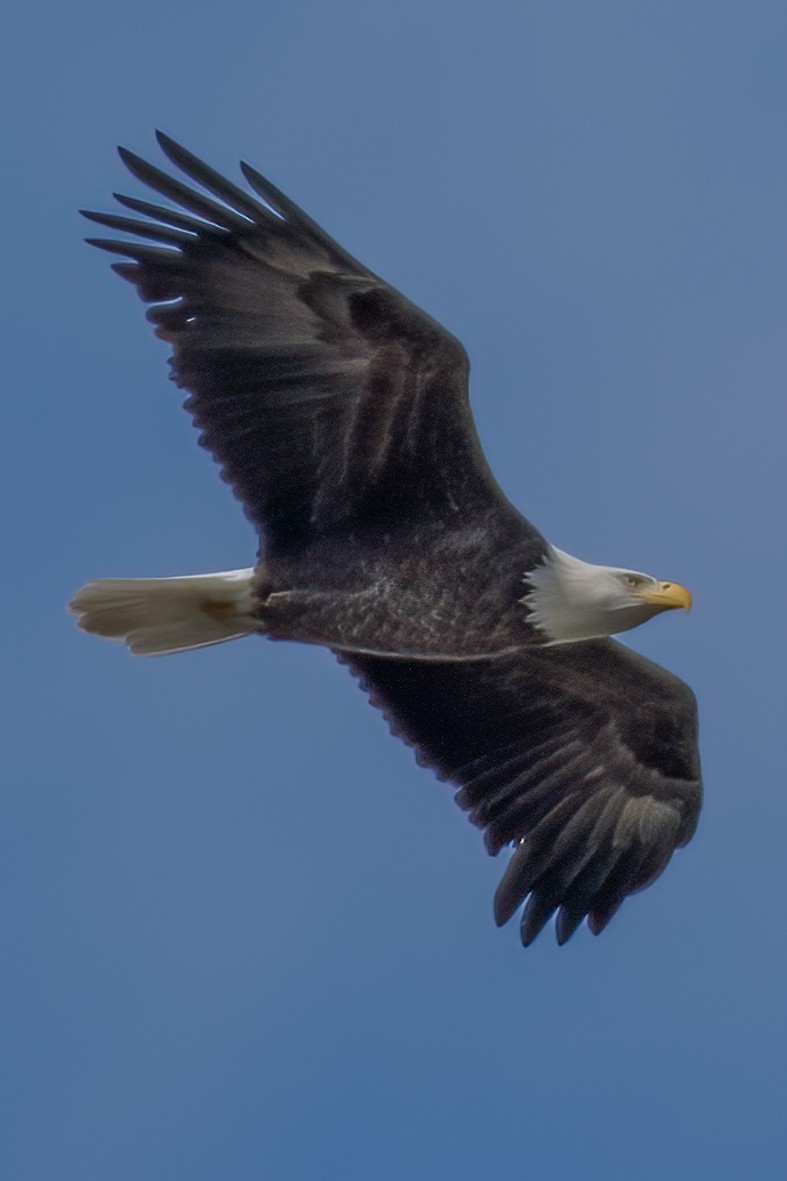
x=328, y=398
x=584, y=756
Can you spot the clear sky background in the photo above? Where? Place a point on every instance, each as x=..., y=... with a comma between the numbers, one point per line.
x=243, y=935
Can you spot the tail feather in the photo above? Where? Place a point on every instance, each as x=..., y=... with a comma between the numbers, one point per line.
x=156, y=616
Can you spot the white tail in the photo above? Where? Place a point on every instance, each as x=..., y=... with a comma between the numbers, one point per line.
x=155, y=616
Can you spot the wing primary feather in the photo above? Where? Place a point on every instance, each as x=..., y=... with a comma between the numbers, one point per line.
x=616, y=886
x=534, y=855
x=136, y=250
x=295, y=216
x=536, y=915
x=127, y=270
x=169, y=217
x=578, y=898
x=210, y=179
x=566, y=924
x=151, y=287
x=181, y=194
x=278, y=201
x=546, y=866
x=513, y=886
x=604, y=912
x=144, y=229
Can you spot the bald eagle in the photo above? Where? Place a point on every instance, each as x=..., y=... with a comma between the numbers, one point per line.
x=339, y=413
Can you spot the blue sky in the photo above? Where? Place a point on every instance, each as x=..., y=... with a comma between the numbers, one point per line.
x=244, y=936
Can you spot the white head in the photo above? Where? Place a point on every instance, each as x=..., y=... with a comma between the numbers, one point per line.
x=572, y=600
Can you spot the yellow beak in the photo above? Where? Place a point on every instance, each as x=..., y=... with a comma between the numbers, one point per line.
x=667, y=595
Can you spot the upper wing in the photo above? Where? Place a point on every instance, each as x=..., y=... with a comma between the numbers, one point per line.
x=584, y=755
x=328, y=398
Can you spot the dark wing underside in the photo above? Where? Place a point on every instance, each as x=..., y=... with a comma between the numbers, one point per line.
x=327, y=397
x=582, y=755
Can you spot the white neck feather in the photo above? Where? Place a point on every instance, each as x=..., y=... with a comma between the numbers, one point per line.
x=571, y=600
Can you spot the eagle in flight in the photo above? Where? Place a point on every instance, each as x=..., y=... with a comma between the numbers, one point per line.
x=339, y=413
